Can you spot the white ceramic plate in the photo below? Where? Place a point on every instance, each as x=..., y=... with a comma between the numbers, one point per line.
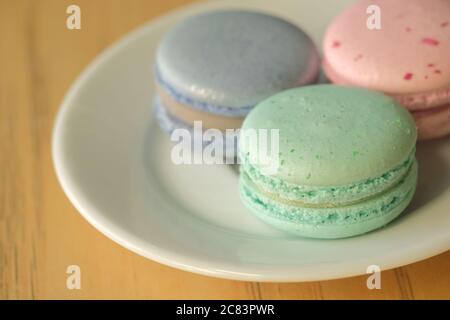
x=114, y=165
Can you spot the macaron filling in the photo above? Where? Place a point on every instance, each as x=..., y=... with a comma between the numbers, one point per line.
x=168, y=123
x=186, y=100
x=396, y=197
x=413, y=101
x=188, y=115
x=323, y=196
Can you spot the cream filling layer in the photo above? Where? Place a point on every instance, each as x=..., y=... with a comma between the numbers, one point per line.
x=188, y=114
x=413, y=101
x=297, y=203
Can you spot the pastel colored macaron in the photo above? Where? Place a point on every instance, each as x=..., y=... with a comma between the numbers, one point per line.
x=401, y=48
x=215, y=67
x=345, y=161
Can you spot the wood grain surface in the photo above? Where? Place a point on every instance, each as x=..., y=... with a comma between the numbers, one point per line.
x=40, y=231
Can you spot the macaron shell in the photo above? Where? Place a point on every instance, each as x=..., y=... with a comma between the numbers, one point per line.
x=333, y=222
x=433, y=123
x=332, y=195
x=409, y=54
x=235, y=58
x=424, y=100
x=334, y=135
x=169, y=123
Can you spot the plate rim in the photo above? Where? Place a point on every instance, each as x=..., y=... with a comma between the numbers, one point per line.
x=163, y=256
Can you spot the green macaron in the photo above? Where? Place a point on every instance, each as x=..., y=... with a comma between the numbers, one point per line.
x=344, y=158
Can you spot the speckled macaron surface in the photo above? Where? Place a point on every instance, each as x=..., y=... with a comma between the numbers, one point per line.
x=401, y=48
x=409, y=53
x=227, y=61
x=346, y=162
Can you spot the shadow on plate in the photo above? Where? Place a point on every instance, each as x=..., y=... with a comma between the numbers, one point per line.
x=234, y=168
x=434, y=172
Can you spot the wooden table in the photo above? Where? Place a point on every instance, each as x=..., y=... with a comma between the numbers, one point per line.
x=40, y=231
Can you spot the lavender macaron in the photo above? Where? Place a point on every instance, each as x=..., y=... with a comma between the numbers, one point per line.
x=215, y=67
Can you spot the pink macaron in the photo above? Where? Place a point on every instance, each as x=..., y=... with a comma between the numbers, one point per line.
x=401, y=48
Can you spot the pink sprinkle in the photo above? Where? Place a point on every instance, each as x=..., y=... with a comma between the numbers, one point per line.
x=358, y=57
x=437, y=71
x=444, y=24
x=430, y=41
x=336, y=44
x=408, y=29
x=408, y=76
x=430, y=65
x=426, y=77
